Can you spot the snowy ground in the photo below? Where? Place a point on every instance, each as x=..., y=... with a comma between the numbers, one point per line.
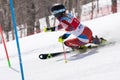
x=99, y=64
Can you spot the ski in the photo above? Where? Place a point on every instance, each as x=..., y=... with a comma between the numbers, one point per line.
x=80, y=50
x=51, y=55
x=54, y=54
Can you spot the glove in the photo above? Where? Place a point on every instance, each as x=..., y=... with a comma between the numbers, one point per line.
x=60, y=39
x=45, y=29
x=49, y=29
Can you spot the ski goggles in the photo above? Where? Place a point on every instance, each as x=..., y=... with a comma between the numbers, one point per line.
x=58, y=11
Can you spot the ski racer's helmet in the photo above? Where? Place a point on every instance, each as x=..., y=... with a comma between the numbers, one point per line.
x=58, y=9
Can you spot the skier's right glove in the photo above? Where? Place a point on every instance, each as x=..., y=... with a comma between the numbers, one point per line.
x=45, y=29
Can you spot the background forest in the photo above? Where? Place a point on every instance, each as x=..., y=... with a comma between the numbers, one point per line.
x=28, y=13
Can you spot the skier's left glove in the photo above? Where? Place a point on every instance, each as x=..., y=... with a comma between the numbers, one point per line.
x=62, y=38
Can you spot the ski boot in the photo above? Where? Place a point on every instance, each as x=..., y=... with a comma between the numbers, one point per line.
x=102, y=40
x=83, y=48
x=95, y=40
x=98, y=41
x=79, y=49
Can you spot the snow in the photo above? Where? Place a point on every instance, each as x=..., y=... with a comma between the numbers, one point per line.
x=98, y=64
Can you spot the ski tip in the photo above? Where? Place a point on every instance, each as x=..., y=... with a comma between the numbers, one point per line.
x=45, y=56
x=41, y=56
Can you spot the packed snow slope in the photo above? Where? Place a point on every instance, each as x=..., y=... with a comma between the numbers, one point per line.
x=98, y=64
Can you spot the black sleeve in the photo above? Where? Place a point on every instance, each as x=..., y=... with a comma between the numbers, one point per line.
x=51, y=28
x=64, y=36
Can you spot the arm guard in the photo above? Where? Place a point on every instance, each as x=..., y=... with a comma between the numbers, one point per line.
x=51, y=29
x=66, y=35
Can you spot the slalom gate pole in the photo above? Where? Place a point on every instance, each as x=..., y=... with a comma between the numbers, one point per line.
x=5, y=46
x=65, y=58
x=16, y=35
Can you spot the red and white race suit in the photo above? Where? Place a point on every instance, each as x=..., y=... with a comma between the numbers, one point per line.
x=73, y=26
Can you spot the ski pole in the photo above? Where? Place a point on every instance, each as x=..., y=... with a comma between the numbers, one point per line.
x=64, y=52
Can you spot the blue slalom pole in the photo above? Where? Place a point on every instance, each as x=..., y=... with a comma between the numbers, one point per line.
x=16, y=35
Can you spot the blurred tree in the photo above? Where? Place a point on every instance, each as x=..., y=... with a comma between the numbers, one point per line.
x=78, y=8
x=6, y=17
x=97, y=6
x=46, y=8
x=30, y=16
x=114, y=6
x=37, y=26
x=28, y=12
x=92, y=11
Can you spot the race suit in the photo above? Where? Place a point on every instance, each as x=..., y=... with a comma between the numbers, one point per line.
x=73, y=26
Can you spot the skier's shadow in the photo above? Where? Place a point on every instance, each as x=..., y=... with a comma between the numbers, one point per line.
x=91, y=52
x=87, y=53
x=80, y=55
x=83, y=55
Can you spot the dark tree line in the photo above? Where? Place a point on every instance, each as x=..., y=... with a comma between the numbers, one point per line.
x=28, y=12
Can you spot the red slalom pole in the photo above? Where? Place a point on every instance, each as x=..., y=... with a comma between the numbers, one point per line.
x=65, y=58
x=5, y=46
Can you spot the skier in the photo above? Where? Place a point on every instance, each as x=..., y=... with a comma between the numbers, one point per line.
x=72, y=26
